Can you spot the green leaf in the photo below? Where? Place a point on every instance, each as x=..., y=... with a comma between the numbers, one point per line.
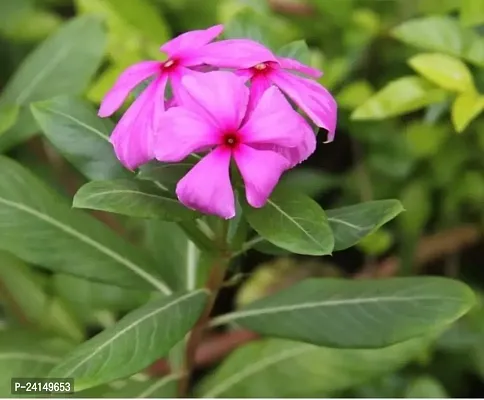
x=292, y=221
x=309, y=181
x=260, y=369
x=87, y=296
x=471, y=12
x=28, y=293
x=445, y=71
x=466, y=107
x=247, y=24
x=136, y=341
x=73, y=127
x=165, y=387
x=425, y=387
x=133, y=198
x=356, y=314
x=166, y=174
x=176, y=255
x=38, y=226
x=8, y=116
x=442, y=34
x=27, y=354
x=351, y=224
x=297, y=50
x=62, y=64
x=398, y=97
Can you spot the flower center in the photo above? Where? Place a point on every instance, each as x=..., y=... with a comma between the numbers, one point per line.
x=261, y=67
x=230, y=140
x=168, y=64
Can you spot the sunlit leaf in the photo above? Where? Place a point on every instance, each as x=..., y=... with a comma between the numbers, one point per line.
x=471, y=12
x=445, y=71
x=398, y=97
x=442, y=34
x=466, y=107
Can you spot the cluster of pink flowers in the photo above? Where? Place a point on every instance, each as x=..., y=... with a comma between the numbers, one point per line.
x=218, y=113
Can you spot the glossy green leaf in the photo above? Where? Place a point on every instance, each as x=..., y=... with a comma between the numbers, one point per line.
x=176, y=256
x=166, y=174
x=165, y=387
x=471, y=12
x=73, y=127
x=297, y=50
x=425, y=387
x=8, y=116
x=62, y=64
x=87, y=296
x=398, y=97
x=40, y=227
x=442, y=34
x=27, y=354
x=141, y=337
x=445, y=71
x=292, y=221
x=260, y=369
x=466, y=107
x=356, y=314
x=133, y=198
x=351, y=224
x=32, y=301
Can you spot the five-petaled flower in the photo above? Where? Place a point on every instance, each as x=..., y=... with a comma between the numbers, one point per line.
x=264, y=69
x=214, y=116
x=133, y=136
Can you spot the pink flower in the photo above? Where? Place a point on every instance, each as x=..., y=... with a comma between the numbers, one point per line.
x=263, y=68
x=214, y=116
x=133, y=136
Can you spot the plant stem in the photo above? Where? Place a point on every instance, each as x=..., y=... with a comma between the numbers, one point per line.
x=214, y=283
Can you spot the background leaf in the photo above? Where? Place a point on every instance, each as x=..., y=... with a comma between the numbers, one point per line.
x=43, y=229
x=292, y=221
x=73, y=127
x=63, y=64
x=356, y=314
x=471, y=12
x=297, y=50
x=445, y=71
x=8, y=116
x=398, y=97
x=165, y=387
x=352, y=223
x=442, y=34
x=259, y=369
x=466, y=107
x=141, y=337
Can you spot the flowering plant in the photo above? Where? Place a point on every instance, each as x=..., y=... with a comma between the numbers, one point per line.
x=199, y=160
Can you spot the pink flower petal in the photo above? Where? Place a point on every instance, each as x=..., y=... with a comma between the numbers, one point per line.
x=188, y=42
x=260, y=170
x=221, y=96
x=258, y=85
x=182, y=132
x=132, y=137
x=126, y=82
x=273, y=121
x=291, y=64
x=311, y=97
x=236, y=53
x=207, y=188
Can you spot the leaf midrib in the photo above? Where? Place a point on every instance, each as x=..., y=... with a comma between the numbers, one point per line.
x=161, y=286
x=327, y=303
x=133, y=325
x=117, y=191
